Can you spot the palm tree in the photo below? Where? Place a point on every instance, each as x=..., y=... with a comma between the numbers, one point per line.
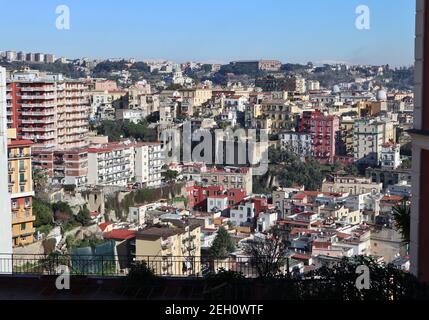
x=402, y=217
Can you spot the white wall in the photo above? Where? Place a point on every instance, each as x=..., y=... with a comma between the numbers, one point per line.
x=5, y=211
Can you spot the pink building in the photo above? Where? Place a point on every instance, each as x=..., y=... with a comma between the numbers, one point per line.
x=323, y=130
x=48, y=110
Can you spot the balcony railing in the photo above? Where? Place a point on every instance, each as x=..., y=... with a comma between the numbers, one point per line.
x=117, y=266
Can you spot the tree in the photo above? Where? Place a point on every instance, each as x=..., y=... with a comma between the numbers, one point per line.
x=288, y=168
x=268, y=253
x=351, y=169
x=43, y=213
x=40, y=180
x=402, y=217
x=406, y=164
x=170, y=175
x=83, y=216
x=62, y=212
x=222, y=245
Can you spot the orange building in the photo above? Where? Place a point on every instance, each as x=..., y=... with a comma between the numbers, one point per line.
x=21, y=189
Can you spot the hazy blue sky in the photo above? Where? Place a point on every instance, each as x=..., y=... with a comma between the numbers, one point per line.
x=214, y=31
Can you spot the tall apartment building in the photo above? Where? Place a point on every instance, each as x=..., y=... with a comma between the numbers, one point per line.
x=119, y=164
x=48, y=110
x=369, y=135
x=21, y=190
x=5, y=217
x=39, y=57
x=111, y=164
x=175, y=248
x=148, y=164
x=49, y=58
x=11, y=56
x=64, y=167
x=324, y=132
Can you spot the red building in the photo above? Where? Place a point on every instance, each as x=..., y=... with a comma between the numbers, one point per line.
x=48, y=110
x=197, y=195
x=323, y=130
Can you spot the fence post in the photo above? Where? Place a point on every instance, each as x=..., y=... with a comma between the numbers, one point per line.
x=288, y=267
x=102, y=265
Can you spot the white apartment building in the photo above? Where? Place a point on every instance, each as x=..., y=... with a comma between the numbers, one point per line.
x=243, y=214
x=102, y=106
x=168, y=112
x=138, y=214
x=131, y=115
x=149, y=161
x=313, y=85
x=266, y=221
x=111, y=164
x=299, y=143
x=391, y=156
x=217, y=203
x=5, y=216
x=369, y=136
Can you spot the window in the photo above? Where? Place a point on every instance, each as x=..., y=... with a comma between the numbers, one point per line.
x=23, y=226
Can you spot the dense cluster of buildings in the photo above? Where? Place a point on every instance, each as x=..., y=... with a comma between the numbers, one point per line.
x=48, y=119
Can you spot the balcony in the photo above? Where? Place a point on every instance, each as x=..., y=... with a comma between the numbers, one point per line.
x=38, y=97
x=39, y=129
x=22, y=217
x=41, y=121
x=39, y=105
x=39, y=113
x=13, y=156
x=37, y=89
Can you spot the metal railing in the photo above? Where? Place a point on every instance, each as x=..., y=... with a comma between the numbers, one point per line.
x=113, y=266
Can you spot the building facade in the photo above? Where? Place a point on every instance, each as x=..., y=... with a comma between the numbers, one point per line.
x=390, y=156
x=64, y=167
x=174, y=249
x=48, y=109
x=111, y=164
x=21, y=191
x=149, y=161
x=300, y=143
x=324, y=132
x=420, y=135
x=369, y=136
x=5, y=216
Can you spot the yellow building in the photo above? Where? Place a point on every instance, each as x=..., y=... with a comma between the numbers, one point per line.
x=21, y=189
x=279, y=112
x=170, y=250
x=195, y=98
x=346, y=135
